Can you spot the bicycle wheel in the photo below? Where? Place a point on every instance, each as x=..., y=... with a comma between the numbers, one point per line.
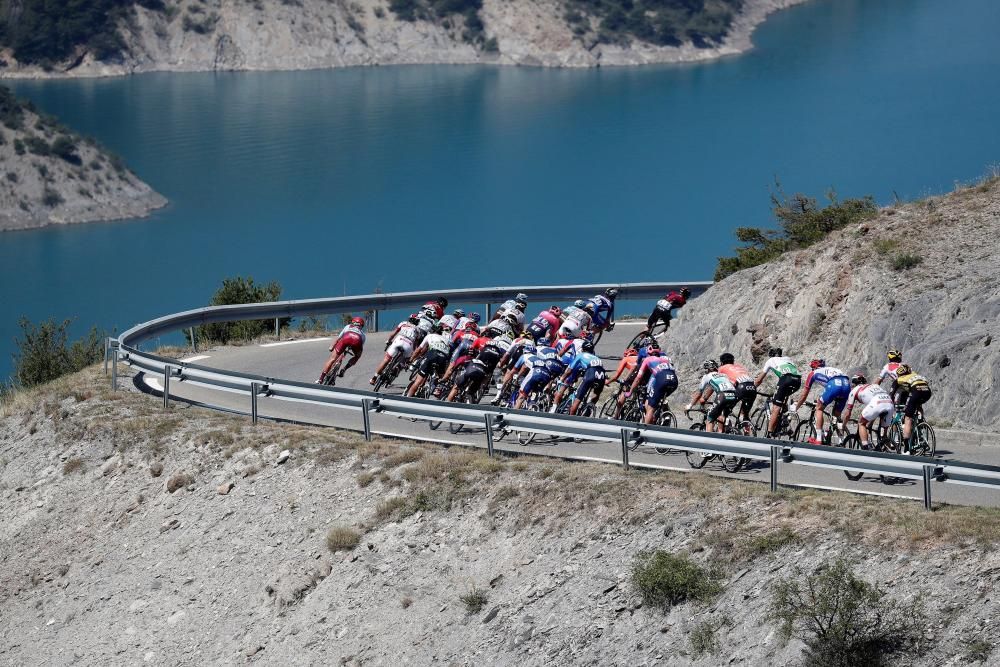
x=697, y=459
x=732, y=463
x=666, y=418
x=788, y=424
x=804, y=431
x=608, y=407
x=745, y=428
x=853, y=442
x=895, y=443
x=759, y=418
x=926, y=444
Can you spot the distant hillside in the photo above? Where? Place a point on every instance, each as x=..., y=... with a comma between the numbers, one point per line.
x=50, y=175
x=923, y=277
x=106, y=37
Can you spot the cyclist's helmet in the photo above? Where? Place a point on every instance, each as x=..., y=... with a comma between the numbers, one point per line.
x=358, y=322
x=588, y=346
x=902, y=370
x=459, y=313
x=611, y=293
x=894, y=355
x=437, y=328
x=474, y=317
x=726, y=358
x=521, y=297
x=710, y=365
x=413, y=318
x=443, y=302
x=775, y=352
x=685, y=292
x=521, y=305
x=858, y=378
x=579, y=303
x=817, y=363
x=653, y=350
x=644, y=341
x=470, y=326
x=588, y=335
x=510, y=318
x=555, y=310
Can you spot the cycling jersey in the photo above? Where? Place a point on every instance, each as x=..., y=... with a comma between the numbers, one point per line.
x=781, y=366
x=662, y=380
x=509, y=307
x=888, y=371
x=580, y=363
x=437, y=343
x=570, y=349
x=875, y=402
x=449, y=321
x=604, y=310
x=825, y=375
x=462, y=321
x=628, y=363
x=719, y=383
x=736, y=373
x=425, y=325
x=433, y=309
x=576, y=320
x=912, y=381
x=501, y=327
x=546, y=357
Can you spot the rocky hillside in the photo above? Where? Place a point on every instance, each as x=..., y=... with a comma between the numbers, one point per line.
x=923, y=277
x=49, y=175
x=197, y=35
x=134, y=535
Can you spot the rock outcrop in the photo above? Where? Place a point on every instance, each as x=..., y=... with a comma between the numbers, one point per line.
x=923, y=277
x=310, y=34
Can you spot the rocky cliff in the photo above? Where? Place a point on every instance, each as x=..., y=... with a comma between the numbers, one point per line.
x=134, y=535
x=922, y=276
x=196, y=35
x=49, y=175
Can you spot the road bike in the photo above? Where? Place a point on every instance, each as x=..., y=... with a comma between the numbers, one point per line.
x=835, y=434
x=922, y=442
x=537, y=401
x=330, y=379
x=698, y=459
x=433, y=389
x=788, y=421
x=390, y=372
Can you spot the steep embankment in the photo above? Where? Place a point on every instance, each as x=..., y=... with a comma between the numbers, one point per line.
x=191, y=35
x=856, y=294
x=52, y=176
x=136, y=535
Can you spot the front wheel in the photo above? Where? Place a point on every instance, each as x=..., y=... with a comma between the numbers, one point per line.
x=732, y=463
x=696, y=459
x=805, y=431
x=853, y=442
x=668, y=420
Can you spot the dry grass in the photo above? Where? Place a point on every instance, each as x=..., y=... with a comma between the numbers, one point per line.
x=342, y=538
x=179, y=481
x=390, y=508
x=365, y=478
x=402, y=457
x=73, y=465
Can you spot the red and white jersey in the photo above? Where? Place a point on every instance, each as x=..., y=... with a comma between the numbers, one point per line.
x=866, y=394
x=434, y=309
x=352, y=329
x=406, y=330
x=888, y=371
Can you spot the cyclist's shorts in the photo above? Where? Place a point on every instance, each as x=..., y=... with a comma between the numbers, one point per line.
x=352, y=341
x=917, y=397
x=570, y=327
x=434, y=362
x=837, y=391
x=724, y=404
x=402, y=345
x=787, y=385
x=660, y=386
x=884, y=408
x=470, y=376
x=593, y=380
x=746, y=393
x=536, y=379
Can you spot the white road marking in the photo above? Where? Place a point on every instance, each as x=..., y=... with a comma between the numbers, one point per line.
x=152, y=382
x=296, y=342
x=198, y=357
x=862, y=493
x=425, y=439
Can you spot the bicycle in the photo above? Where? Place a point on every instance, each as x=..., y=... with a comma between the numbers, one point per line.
x=330, y=379
x=835, y=435
x=922, y=442
x=433, y=389
x=788, y=421
x=390, y=372
x=878, y=443
x=537, y=401
x=732, y=464
x=610, y=405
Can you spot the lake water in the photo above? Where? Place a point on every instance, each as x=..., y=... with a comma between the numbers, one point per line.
x=443, y=176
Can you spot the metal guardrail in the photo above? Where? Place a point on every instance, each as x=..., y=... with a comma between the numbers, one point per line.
x=496, y=420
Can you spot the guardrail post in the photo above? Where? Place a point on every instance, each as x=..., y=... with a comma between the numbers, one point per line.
x=366, y=406
x=775, y=455
x=114, y=369
x=167, y=372
x=194, y=341
x=626, y=436
x=375, y=321
x=489, y=434
x=489, y=313
x=107, y=348
x=254, y=389
x=928, y=474
x=277, y=329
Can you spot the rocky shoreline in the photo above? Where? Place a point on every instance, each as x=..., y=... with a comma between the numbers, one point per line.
x=318, y=34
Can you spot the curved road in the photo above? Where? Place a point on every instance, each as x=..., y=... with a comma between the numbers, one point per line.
x=302, y=359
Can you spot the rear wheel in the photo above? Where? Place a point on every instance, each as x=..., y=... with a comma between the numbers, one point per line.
x=804, y=431
x=926, y=444
x=732, y=463
x=697, y=459
x=895, y=443
x=853, y=442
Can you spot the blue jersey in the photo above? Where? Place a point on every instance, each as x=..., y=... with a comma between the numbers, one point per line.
x=548, y=359
x=604, y=309
x=585, y=360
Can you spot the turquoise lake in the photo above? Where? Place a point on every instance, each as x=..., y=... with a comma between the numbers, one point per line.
x=443, y=176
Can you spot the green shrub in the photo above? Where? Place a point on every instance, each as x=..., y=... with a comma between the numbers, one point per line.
x=51, y=197
x=664, y=579
x=37, y=146
x=885, y=246
x=905, y=261
x=236, y=291
x=474, y=600
x=11, y=109
x=704, y=637
x=801, y=224
x=19, y=147
x=843, y=620
x=705, y=23
x=44, y=353
x=65, y=148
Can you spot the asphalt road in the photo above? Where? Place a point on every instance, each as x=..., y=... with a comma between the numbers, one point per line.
x=302, y=360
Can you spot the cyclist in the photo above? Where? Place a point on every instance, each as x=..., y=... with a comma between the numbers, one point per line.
x=911, y=391
x=515, y=307
x=788, y=378
x=402, y=340
x=544, y=327
x=576, y=318
x=836, y=388
x=471, y=317
x=889, y=370
x=663, y=308
x=352, y=337
x=435, y=308
x=569, y=352
x=877, y=406
x=633, y=364
x=662, y=382
x=523, y=344
x=433, y=355
x=746, y=390
x=471, y=373
x=714, y=382
x=503, y=325
x=451, y=321
x=594, y=376
x=604, y=309
x=546, y=366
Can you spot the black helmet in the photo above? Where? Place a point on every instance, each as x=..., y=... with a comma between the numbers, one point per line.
x=443, y=302
x=710, y=365
x=611, y=293
x=521, y=296
x=459, y=313
x=775, y=352
x=588, y=345
x=685, y=292
x=858, y=378
x=726, y=358
x=894, y=355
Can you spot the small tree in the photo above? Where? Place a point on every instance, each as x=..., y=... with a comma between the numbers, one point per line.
x=44, y=354
x=236, y=291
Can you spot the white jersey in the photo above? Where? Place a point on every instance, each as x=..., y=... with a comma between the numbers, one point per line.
x=449, y=321
x=509, y=307
x=579, y=315
x=718, y=382
x=437, y=343
x=875, y=402
x=780, y=366
x=425, y=325
x=502, y=326
x=408, y=331
x=350, y=328
x=503, y=342
x=462, y=321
